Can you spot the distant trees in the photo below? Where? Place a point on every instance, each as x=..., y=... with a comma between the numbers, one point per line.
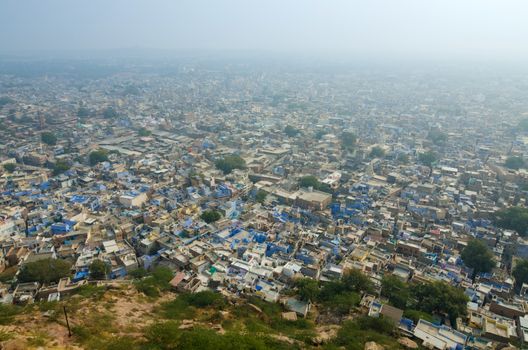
x=348, y=140
x=48, y=138
x=99, y=269
x=319, y=134
x=403, y=158
x=9, y=167
x=513, y=218
x=98, y=157
x=514, y=163
x=478, y=256
x=291, y=131
x=312, y=181
x=210, y=216
x=523, y=124
x=261, y=196
x=437, y=137
x=83, y=112
x=229, y=163
x=144, y=132
x=427, y=158
x=44, y=271
x=110, y=113
x=377, y=152
x=4, y=100
x=60, y=167
x=520, y=273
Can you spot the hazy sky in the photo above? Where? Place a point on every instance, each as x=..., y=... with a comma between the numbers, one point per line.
x=412, y=27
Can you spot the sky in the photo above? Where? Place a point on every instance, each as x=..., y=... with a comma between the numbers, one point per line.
x=455, y=28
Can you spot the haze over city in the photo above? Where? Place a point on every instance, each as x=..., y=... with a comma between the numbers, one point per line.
x=446, y=29
x=251, y=175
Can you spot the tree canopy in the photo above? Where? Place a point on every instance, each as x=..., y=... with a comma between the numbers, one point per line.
x=377, y=152
x=230, y=162
x=478, y=256
x=291, y=131
x=312, y=181
x=523, y=124
x=437, y=137
x=307, y=289
x=98, y=157
x=514, y=163
x=60, y=167
x=83, y=112
x=427, y=158
x=48, y=138
x=348, y=140
x=439, y=298
x=9, y=167
x=99, y=269
x=109, y=113
x=338, y=296
x=144, y=132
x=520, y=273
x=261, y=196
x=403, y=158
x=513, y=218
x=44, y=271
x=394, y=289
x=4, y=100
x=210, y=216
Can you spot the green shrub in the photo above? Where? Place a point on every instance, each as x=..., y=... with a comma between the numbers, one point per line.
x=204, y=299
x=44, y=271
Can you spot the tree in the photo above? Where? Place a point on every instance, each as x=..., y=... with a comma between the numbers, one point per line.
x=403, y=158
x=523, y=124
x=437, y=137
x=311, y=181
x=60, y=167
x=439, y=298
x=98, y=157
x=9, y=167
x=514, y=163
x=307, y=289
x=356, y=281
x=144, y=132
x=44, y=271
x=83, y=112
x=394, y=289
x=291, y=131
x=109, y=113
x=427, y=158
x=4, y=100
x=48, y=138
x=348, y=140
x=520, y=273
x=319, y=134
x=478, y=256
x=513, y=218
x=229, y=163
x=99, y=269
x=261, y=196
x=157, y=281
x=210, y=216
x=377, y=152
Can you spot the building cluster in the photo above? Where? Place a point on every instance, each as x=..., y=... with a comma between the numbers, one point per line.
x=382, y=212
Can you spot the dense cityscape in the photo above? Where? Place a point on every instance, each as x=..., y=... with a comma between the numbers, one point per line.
x=318, y=206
